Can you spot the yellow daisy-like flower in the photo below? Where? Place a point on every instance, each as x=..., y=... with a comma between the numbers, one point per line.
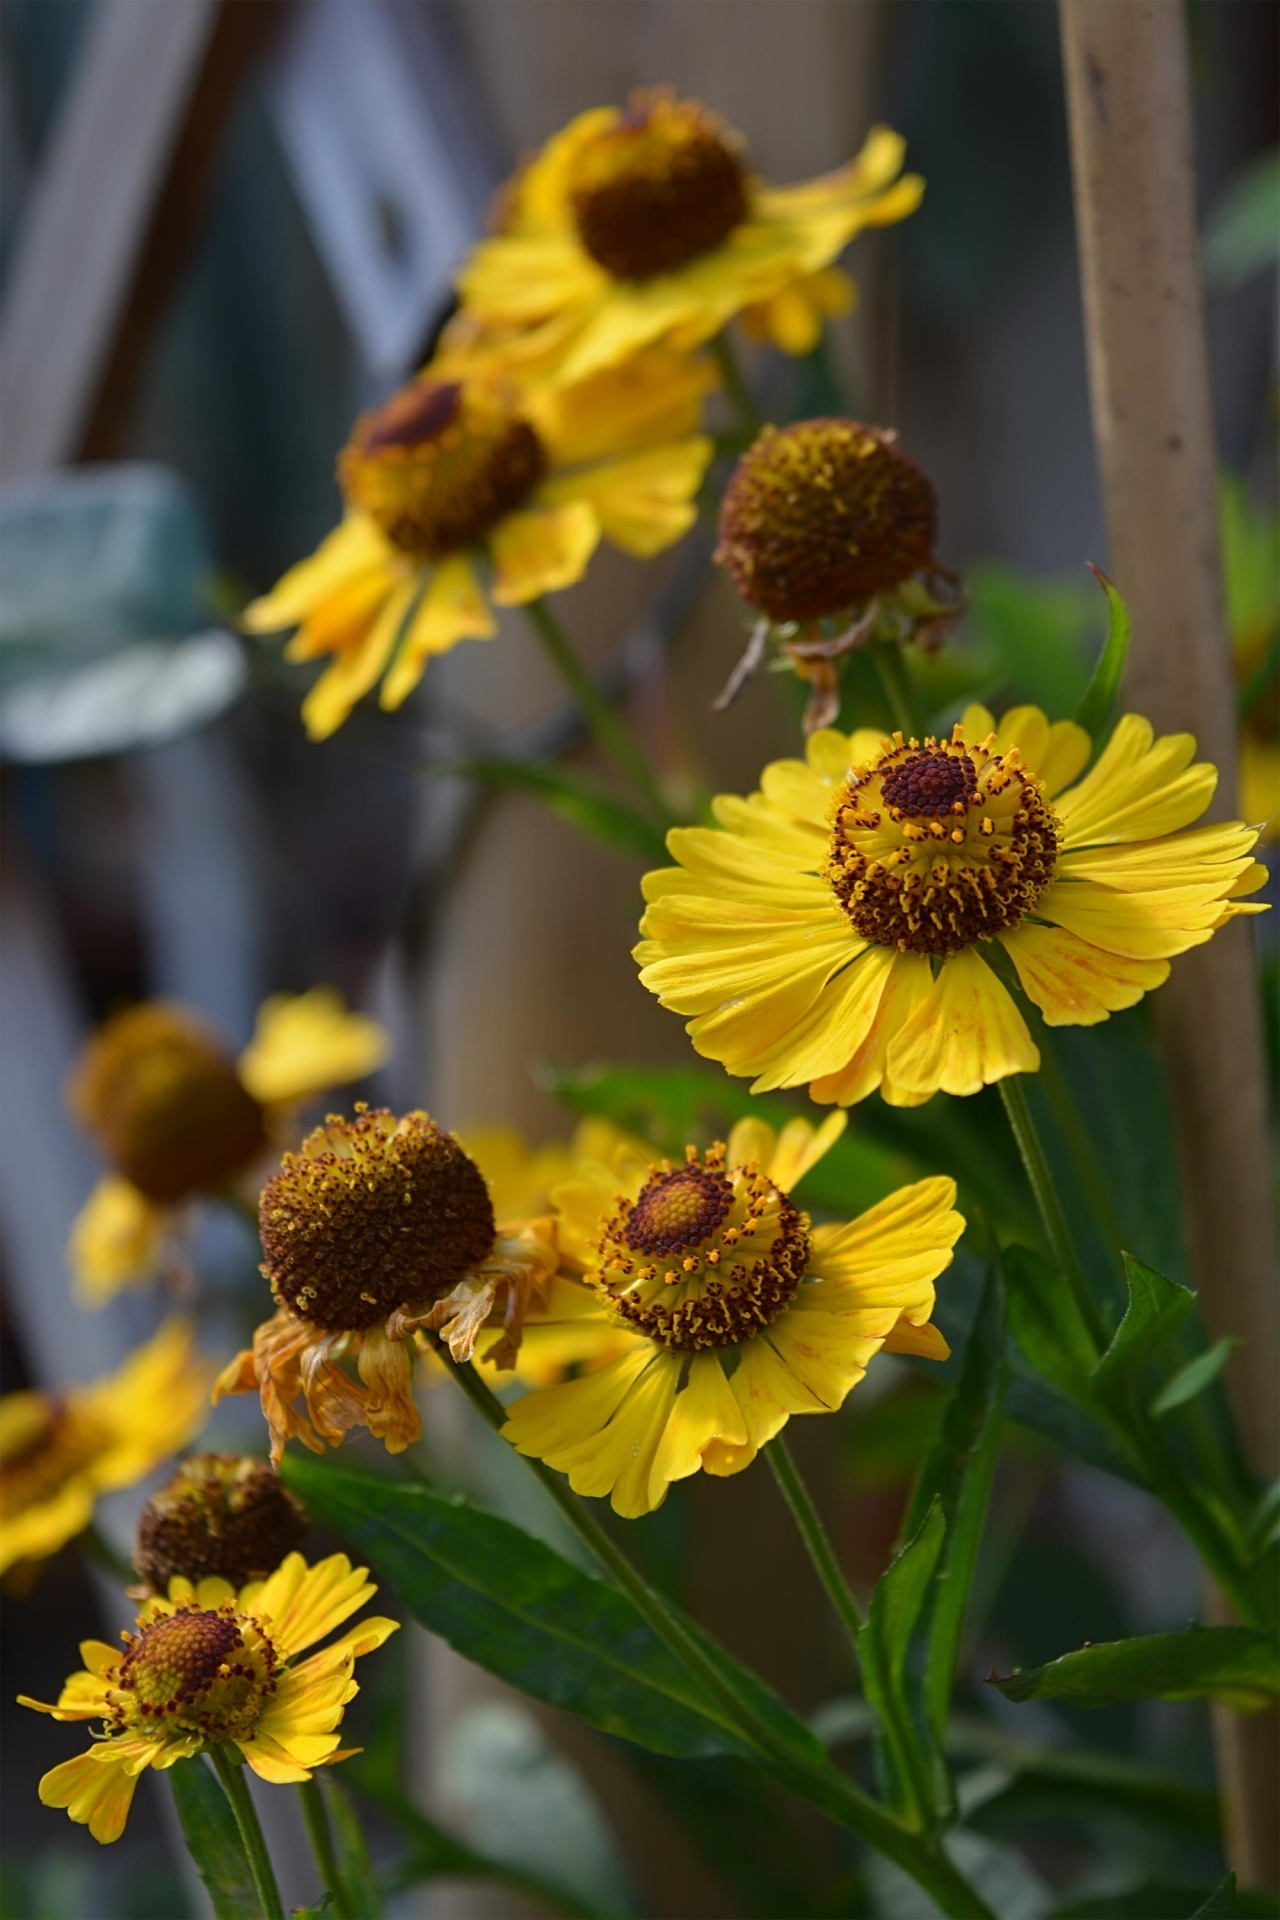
x=644, y=225
x=737, y=1312
x=177, y=1117
x=456, y=471
x=59, y=1452
x=374, y=1230
x=210, y=1665
x=839, y=926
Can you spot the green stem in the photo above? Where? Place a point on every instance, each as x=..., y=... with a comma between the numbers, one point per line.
x=839, y=1798
x=735, y=383
x=1079, y=1145
x=99, y=1549
x=613, y=735
x=321, y=1838
x=1036, y=1163
x=895, y=684
x=230, y=1770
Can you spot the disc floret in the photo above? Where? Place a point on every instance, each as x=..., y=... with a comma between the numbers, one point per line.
x=705, y=1255
x=224, y=1514
x=939, y=844
x=198, y=1670
x=440, y=463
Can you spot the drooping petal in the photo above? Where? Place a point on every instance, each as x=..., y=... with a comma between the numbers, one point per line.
x=964, y=1034
x=704, y=1412
x=386, y=1369
x=925, y=1342
x=542, y=550
x=97, y=1796
x=1073, y=983
x=643, y=503
x=354, y=672
x=894, y=985
x=356, y=547
x=453, y=608
x=305, y=1043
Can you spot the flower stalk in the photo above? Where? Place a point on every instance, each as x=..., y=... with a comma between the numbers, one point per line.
x=1053, y=1219
x=230, y=1770
x=612, y=735
x=320, y=1834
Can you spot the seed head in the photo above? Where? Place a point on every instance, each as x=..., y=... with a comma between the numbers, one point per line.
x=222, y=1514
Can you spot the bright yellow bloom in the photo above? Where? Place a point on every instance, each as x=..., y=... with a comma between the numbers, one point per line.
x=642, y=226
x=376, y=1229
x=209, y=1665
x=177, y=1118
x=837, y=927
x=453, y=472
x=58, y=1453
x=736, y=1312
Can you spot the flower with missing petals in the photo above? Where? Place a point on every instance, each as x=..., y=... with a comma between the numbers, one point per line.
x=218, y=1513
x=207, y=1666
x=645, y=225
x=733, y=1311
x=843, y=927
x=375, y=1229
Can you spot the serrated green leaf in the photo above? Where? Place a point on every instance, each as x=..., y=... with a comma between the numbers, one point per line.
x=1094, y=710
x=213, y=1840
x=1194, y=1377
x=1239, y=1666
x=574, y=798
x=958, y=1472
x=518, y=1609
x=1157, y=1308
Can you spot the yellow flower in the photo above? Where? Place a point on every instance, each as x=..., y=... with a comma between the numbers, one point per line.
x=643, y=226
x=735, y=1310
x=376, y=1229
x=839, y=926
x=177, y=1117
x=209, y=1665
x=456, y=470
x=58, y=1453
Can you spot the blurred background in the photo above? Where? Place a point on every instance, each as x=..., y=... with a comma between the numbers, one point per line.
x=225, y=227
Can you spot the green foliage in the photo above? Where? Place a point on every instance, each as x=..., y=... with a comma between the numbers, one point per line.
x=516, y=1608
x=1160, y=1900
x=573, y=797
x=1094, y=711
x=213, y=1840
x=359, y=1883
x=1016, y=1781
x=1242, y=234
x=1239, y=1666
x=1157, y=1308
x=884, y=1645
x=434, y=1854
x=1194, y=1378
x=1032, y=634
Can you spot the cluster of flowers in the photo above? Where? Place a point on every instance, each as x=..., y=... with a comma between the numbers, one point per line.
x=866, y=920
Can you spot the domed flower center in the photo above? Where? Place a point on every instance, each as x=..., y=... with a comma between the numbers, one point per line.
x=705, y=1256
x=198, y=1671
x=822, y=515
x=371, y=1214
x=660, y=187
x=440, y=464
x=45, y=1444
x=166, y=1103
x=939, y=845
x=221, y=1514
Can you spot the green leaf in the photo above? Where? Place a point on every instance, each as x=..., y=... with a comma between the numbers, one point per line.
x=1239, y=1666
x=1047, y=1325
x=358, y=1879
x=1157, y=1308
x=1016, y=1781
x=574, y=798
x=1264, y=1522
x=1221, y=1904
x=958, y=1472
x=213, y=1840
x=1242, y=233
x=317, y=1911
x=435, y=1854
x=1094, y=710
x=1159, y=1900
x=518, y=1609
x=883, y=1646
x=1192, y=1379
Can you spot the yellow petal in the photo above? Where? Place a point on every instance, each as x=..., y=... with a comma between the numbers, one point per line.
x=652, y=397
x=304, y=1603
x=453, y=608
x=352, y=674
x=1073, y=983
x=355, y=547
x=304, y=1043
x=643, y=503
x=1138, y=788
x=965, y=1034
x=546, y=1424
x=835, y=1037
x=95, y=1795
x=800, y=1147
x=117, y=1241
x=542, y=550
x=891, y=1255
x=340, y=622
x=1216, y=852
x=1155, y=925
x=925, y=1342
x=894, y=984
x=704, y=1412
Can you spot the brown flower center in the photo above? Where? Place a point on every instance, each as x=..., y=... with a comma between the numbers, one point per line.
x=822, y=515
x=200, y=1670
x=166, y=1103
x=440, y=464
x=665, y=184
x=936, y=846
x=371, y=1214
x=721, y=1251
x=218, y=1514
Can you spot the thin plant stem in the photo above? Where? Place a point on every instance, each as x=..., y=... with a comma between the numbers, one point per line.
x=1079, y=1145
x=613, y=735
x=230, y=1770
x=1040, y=1178
x=842, y=1801
x=735, y=384
x=895, y=684
x=815, y=1536
x=101, y=1551
x=320, y=1835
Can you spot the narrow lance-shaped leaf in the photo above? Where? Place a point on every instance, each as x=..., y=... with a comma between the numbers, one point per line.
x=359, y=1884
x=1050, y=1386
x=1094, y=710
x=1157, y=1308
x=581, y=802
x=213, y=1840
x=1192, y=1379
x=883, y=1648
x=1239, y=1666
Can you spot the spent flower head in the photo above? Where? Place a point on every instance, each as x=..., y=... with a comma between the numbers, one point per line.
x=218, y=1513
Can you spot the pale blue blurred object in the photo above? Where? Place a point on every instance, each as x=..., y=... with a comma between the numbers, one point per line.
x=105, y=636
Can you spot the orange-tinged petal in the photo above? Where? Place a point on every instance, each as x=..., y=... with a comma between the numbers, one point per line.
x=353, y=673
x=1073, y=983
x=356, y=547
x=964, y=1034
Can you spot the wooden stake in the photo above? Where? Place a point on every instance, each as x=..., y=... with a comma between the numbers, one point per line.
x=1128, y=98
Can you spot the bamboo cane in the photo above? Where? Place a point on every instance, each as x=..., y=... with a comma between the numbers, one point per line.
x=1128, y=99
